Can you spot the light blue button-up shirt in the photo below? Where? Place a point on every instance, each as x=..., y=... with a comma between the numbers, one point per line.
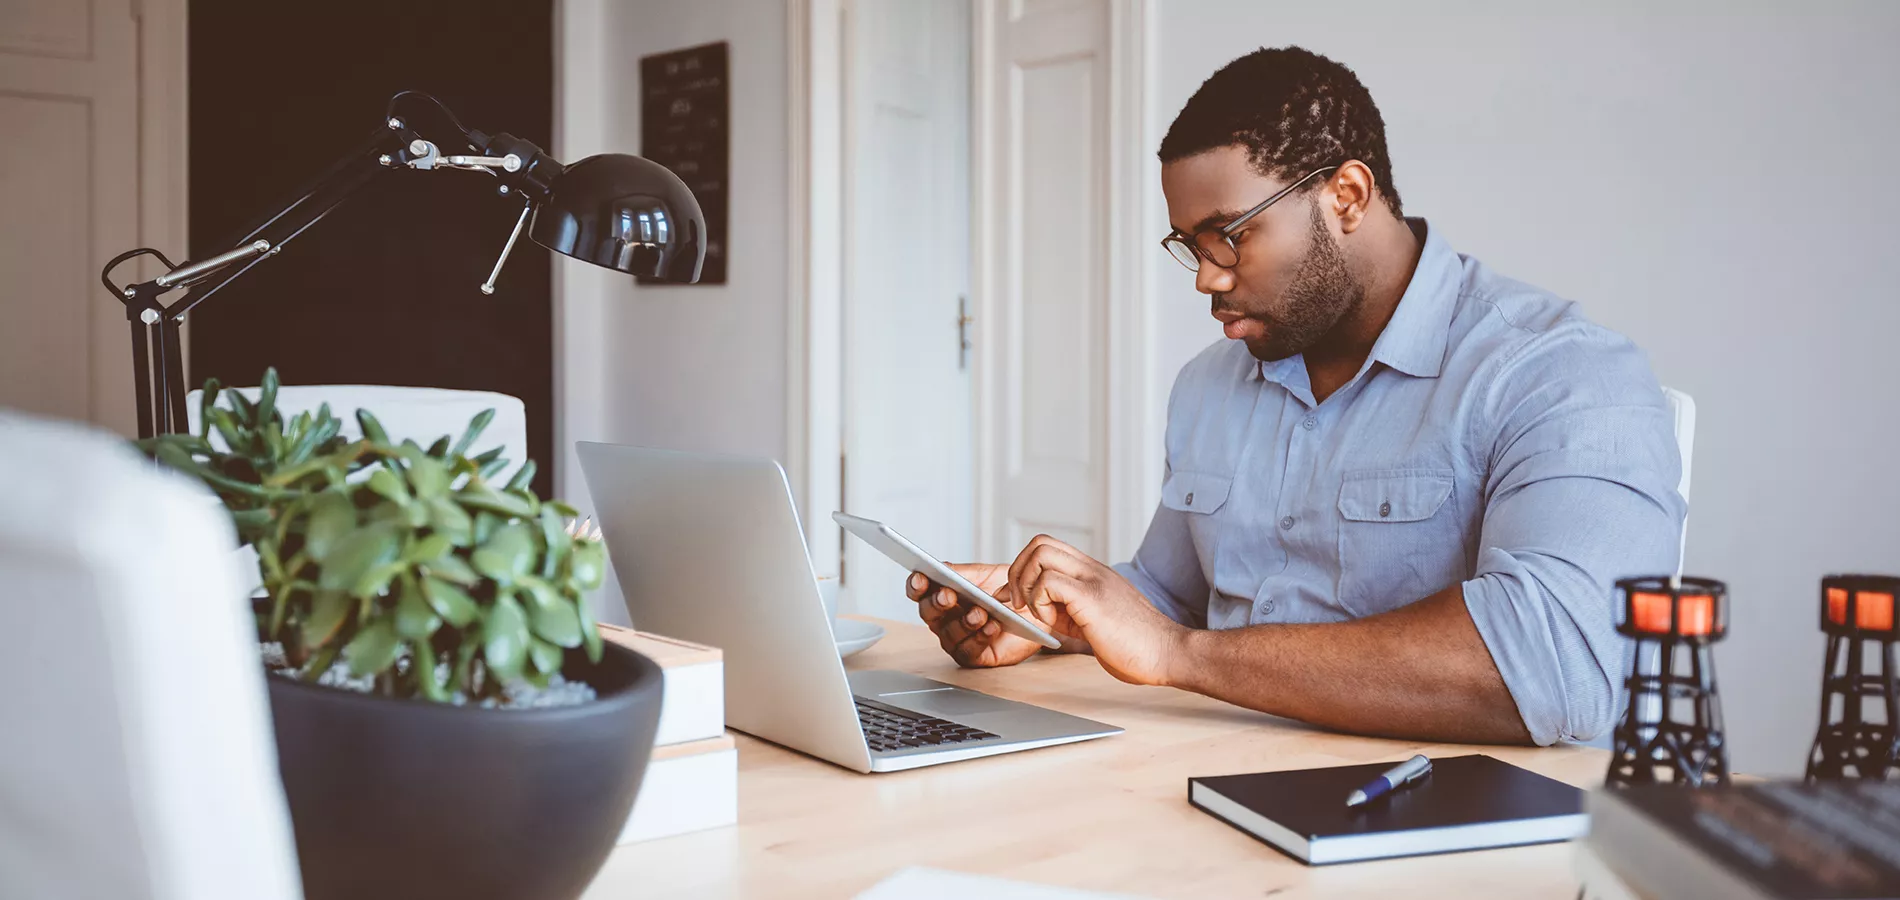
x=1494, y=439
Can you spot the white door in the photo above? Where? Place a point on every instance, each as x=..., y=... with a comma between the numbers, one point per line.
x=907, y=398
x=69, y=170
x=1043, y=264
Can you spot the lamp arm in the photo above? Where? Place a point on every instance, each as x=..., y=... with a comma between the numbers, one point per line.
x=155, y=335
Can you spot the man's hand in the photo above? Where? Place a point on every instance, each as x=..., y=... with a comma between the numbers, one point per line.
x=1082, y=598
x=966, y=632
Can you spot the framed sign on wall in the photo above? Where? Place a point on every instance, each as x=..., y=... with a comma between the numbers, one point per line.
x=685, y=125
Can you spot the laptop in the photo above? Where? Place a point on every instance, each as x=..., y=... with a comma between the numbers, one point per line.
x=708, y=548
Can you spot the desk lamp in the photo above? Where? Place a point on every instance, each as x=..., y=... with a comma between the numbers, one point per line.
x=613, y=210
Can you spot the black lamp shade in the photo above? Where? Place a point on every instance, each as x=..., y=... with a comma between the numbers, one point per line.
x=624, y=212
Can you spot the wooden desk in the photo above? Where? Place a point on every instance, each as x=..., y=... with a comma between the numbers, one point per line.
x=1110, y=814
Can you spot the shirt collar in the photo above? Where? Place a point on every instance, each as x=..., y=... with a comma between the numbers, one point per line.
x=1414, y=340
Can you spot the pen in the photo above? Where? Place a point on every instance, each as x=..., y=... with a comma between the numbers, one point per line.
x=1399, y=776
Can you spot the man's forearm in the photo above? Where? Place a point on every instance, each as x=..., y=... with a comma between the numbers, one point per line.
x=1420, y=671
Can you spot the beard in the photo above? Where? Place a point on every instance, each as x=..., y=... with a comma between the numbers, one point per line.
x=1320, y=294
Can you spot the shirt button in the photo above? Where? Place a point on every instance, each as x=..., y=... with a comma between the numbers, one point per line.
x=1311, y=423
x=1286, y=523
x=1190, y=498
x=1385, y=510
x=1266, y=607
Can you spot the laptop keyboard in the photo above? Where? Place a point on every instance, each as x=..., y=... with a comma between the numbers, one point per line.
x=890, y=728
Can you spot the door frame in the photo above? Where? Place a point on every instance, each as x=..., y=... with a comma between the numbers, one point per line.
x=814, y=402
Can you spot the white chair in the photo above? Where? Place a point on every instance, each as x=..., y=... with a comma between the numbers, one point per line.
x=138, y=759
x=419, y=414
x=1682, y=407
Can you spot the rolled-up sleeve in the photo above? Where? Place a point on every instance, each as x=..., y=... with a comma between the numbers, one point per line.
x=1581, y=491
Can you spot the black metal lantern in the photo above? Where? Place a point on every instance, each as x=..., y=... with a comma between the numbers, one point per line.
x=1672, y=730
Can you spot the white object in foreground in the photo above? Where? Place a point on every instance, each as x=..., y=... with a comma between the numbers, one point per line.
x=687, y=787
x=138, y=760
x=920, y=883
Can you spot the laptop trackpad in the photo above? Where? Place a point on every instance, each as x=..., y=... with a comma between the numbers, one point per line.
x=947, y=702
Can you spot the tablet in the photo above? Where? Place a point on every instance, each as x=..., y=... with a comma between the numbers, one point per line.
x=914, y=559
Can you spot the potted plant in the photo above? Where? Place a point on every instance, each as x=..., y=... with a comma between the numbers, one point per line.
x=449, y=722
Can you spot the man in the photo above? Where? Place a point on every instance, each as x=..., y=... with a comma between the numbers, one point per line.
x=1398, y=495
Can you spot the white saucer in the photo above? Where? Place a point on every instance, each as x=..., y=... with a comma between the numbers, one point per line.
x=852, y=635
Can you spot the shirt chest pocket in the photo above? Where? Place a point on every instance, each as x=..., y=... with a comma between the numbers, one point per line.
x=1200, y=495
x=1397, y=541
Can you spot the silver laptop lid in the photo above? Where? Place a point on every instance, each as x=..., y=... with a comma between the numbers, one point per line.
x=708, y=548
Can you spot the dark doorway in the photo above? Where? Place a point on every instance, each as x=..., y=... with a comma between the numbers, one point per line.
x=385, y=289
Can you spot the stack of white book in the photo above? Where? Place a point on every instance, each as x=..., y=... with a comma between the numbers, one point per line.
x=692, y=780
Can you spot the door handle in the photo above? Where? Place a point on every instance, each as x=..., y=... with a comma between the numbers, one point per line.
x=963, y=332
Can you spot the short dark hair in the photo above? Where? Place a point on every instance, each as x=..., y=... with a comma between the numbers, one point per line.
x=1293, y=109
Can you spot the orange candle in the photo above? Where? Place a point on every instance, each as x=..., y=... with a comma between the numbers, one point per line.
x=1873, y=611
x=1650, y=613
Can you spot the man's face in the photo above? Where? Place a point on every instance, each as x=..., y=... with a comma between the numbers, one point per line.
x=1290, y=286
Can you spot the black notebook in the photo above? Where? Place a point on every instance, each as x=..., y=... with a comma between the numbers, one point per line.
x=1466, y=803
x=1779, y=840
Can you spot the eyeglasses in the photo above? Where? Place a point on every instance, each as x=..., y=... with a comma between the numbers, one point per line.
x=1216, y=245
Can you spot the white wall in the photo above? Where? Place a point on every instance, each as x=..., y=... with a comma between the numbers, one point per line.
x=1718, y=186
x=698, y=367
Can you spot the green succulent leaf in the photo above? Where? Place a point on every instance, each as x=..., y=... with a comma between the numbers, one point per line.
x=449, y=519
x=505, y=638
x=332, y=516
x=590, y=631
x=486, y=456
x=491, y=469
x=524, y=476
x=372, y=428
x=425, y=673
x=326, y=617
x=267, y=398
x=545, y=657
x=478, y=495
x=228, y=429
x=555, y=539
x=252, y=524
x=476, y=426
x=485, y=525
x=415, y=619
x=428, y=549
x=507, y=555
x=440, y=448
x=588, y=567
x=374, y=649
x=429, y=476
x=206, y=399
x=375, y=581
x=449, y=600
x=453, y=568
x=356, y=553
x=242, y=408
x=385, y=482
x=556, y=622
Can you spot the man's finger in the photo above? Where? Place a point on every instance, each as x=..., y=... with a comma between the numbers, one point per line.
x=974, y=617
x=917, y=586
x=1059, y=588
x=937, y=607
x=1045, y=554
x=953, y=627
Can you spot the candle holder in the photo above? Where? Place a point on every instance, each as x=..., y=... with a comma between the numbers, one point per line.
x=1857, y=615
x=1672, y=731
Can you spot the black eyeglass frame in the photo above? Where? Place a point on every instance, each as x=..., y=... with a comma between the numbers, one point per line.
x=1191, y=242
